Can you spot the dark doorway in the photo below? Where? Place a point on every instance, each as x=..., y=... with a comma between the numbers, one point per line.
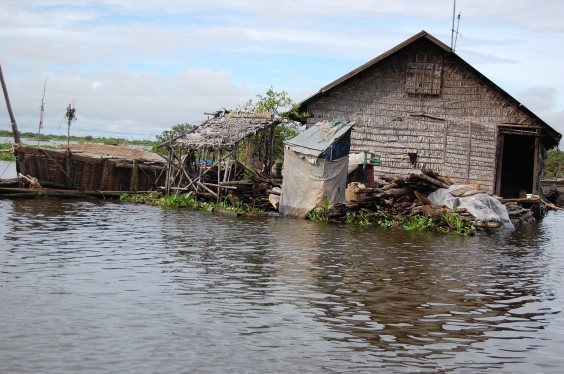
x=518, y=165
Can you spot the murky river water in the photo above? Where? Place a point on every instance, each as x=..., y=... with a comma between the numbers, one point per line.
x=98, y=287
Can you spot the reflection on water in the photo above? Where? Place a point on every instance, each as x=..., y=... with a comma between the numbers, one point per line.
x=91, y=286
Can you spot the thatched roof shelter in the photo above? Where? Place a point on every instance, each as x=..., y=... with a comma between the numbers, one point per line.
x=205, y=159
x=225, y=129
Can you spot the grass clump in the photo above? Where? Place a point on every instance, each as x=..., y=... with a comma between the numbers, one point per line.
x=188, y=200
x=449, y=223
x=6, y=152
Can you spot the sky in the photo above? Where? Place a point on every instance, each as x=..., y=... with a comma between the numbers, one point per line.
x=135, y=68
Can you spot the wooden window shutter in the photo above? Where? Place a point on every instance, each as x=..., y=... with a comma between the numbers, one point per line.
x=423, y=74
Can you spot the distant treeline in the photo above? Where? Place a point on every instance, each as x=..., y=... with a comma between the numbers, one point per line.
x=5, y=148
x=79, y=139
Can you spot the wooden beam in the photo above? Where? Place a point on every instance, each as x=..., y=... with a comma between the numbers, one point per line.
x=134, y=176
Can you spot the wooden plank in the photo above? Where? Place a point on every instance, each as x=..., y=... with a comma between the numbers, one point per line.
x=133, y=183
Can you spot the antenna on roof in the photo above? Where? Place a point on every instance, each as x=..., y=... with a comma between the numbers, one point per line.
x=454, y=38
x=456, y=33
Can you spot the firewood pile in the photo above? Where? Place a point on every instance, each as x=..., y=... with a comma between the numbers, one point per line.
x=409, y=196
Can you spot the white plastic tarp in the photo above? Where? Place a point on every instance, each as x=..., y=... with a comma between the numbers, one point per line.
x=308, y=186
x=484, y=207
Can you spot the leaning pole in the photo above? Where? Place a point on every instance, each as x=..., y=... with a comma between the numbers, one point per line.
x=17, y=139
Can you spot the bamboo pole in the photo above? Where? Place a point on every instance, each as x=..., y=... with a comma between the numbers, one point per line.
x=169, y=166
x=15, y=131
x=219, y=174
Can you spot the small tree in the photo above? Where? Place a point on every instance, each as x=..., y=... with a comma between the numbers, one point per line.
x=554, y=163
x=175, y=130
x=280, y=105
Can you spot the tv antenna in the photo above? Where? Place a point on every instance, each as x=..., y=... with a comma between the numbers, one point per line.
x=454, y=33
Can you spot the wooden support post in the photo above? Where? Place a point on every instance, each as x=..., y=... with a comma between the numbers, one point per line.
x=70, y=182
x=469, y=152
x=536, y=166
x=499, y=155
x=134, y=176
x=271, y=151
x=219, y=175
x=236, y=159
x=169, y=167
x=15, y=131
x=111, y=172
x=104, y=182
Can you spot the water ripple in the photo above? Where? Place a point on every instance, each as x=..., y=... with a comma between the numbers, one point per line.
x=90, y=286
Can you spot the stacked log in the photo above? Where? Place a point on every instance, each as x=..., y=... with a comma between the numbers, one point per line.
x=409, y=196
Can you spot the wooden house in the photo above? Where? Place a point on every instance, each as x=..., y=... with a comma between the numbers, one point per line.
x=419, y=105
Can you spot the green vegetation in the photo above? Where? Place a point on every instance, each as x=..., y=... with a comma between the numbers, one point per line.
x=5, y=154
x=320, y=215
x=418, y=223
x=554, y=163
x=357, y=218
x=450, y=223
x=453, y=223
x=281, y=105
x=175, y=131
x=188, y=200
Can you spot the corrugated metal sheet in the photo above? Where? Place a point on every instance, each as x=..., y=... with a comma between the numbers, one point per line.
x=311, y=143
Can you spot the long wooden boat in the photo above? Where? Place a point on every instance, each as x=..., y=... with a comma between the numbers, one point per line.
x=94, y=167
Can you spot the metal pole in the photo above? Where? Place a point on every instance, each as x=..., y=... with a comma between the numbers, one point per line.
x=42, y=111
x=15, y=131
x=452, y=30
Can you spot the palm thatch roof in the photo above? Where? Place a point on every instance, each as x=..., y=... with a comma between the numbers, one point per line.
x=224, y=130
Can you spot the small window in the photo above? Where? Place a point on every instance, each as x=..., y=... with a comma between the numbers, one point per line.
x=424, y=74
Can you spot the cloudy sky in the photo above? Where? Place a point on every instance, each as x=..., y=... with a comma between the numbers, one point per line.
x=134, y=68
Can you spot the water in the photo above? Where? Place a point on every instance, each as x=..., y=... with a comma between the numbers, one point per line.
x=99, y=287
x=8, y=169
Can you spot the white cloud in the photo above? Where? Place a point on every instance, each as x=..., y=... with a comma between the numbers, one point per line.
x=138, y=66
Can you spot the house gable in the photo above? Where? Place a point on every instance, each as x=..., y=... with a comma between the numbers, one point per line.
x=421, y=98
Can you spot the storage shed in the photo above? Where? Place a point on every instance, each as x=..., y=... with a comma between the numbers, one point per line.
x=315, y=168
x=419, y=105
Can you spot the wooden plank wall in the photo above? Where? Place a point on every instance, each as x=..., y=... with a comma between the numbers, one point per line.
x=90, y=173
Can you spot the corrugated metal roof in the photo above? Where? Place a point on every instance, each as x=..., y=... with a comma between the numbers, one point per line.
x=312, y=142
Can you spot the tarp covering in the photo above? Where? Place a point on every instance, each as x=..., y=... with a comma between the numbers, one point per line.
x=484, y=207
x=307, y=186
